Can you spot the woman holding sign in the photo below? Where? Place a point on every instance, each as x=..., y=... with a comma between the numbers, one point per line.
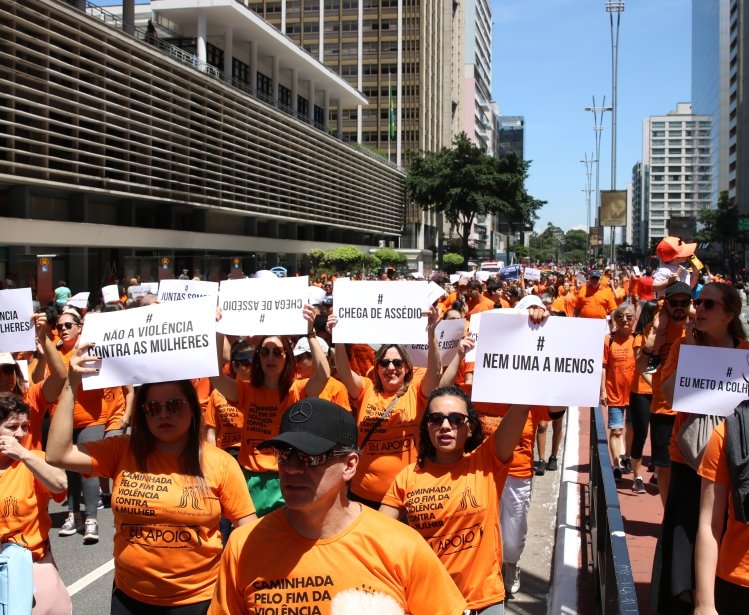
x=390, y=406
x=451, y=494
x=170, y=489
x=716, y=324
x=272, y=388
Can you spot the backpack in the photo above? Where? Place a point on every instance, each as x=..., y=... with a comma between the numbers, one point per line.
x=16, y=572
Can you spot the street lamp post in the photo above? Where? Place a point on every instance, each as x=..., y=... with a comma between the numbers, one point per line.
x=597, y=129
x=588, y=162
x=614, y=8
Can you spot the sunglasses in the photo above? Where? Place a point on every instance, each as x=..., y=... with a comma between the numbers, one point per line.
x=283, y=455
x=684, y=303
x=708, y=304
x=7, y=370
x=276, y=352
x=455, y=419
x=397, y=363
x=624, y=317
x=243, y=362
x=66, y=326
x=173, y=406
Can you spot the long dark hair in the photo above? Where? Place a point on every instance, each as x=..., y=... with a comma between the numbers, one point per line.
x=406, y=359
x=426, y=451
x=143, y=443
x=257, y=376
x=732, y=302
x=647, y=313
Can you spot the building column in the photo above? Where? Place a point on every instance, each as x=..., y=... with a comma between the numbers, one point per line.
x=339, y=119
x=253, y=66
x=311, y=98
x=128, y=16
x=228, y=53
x=201, y=39
x=276, y=76
x=325, y=109
x=294, y=92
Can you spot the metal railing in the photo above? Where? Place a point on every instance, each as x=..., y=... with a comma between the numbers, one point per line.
x=612, y=572
x=190, y=59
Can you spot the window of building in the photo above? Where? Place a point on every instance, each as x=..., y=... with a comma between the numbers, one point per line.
x=284, y=96
x=264, y=84
x=674, y=196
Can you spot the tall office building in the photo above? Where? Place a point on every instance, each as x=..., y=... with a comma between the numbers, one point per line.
x=714, y=85
x=511, y=135
x=674, y=178
x=124, y=150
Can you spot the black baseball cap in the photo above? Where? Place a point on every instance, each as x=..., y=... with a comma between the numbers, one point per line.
x=314, y=426
x=678, y=288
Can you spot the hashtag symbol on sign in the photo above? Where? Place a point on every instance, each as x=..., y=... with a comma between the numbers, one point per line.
x=379, y=299
x=262, y=317
x=149, y=317
x=729, y=372
x=540, y=343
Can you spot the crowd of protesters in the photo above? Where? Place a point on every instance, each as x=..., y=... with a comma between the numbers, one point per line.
x=291, y=500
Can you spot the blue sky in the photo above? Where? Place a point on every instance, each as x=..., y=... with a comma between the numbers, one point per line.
x=551, y=56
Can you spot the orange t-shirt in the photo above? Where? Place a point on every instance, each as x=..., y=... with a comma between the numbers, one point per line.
x=681, y=417
x=167, y=542
x=116, y=406
x=595, y=303
x=455, y=507
x=491, y=414
x=733, y=553
x=38, y=407
x=334, y=391
x=619, y=361
x=24, y=518
x=203, y=389
x=639, y=384
x=268, y=563
x=393, y=445
x=361, y=358
x=226, y=418
x=482, y=305
x=262, y=409
x=658, y=405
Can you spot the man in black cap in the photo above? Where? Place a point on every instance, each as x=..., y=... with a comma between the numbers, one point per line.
x=320, y=543
x=667, y=326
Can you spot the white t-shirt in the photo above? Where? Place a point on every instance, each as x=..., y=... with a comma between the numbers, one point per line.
x=666, y=270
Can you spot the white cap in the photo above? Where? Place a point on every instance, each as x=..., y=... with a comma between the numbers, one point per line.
x=302, y=346
x=264, y=273
x=7, y=359
x=315, y=295
x=529, y=301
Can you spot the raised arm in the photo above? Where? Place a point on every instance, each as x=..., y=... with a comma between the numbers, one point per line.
x=61, y=451
x=52, y=478
x=351, y=380
x=713, y=502
x=451, y=371
x=54, y=382
x=431, y=378
x=226, y=386
x=509, y=431
x=320, y=376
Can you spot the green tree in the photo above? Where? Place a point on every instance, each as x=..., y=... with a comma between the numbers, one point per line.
x=721, y=226
x=389, y=256
x=345, y=258
x=576, y=246
x=520, y=251
x=315, y=257
x=464, y=182
x=452, y=261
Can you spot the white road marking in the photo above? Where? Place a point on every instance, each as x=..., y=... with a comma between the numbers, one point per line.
x=92, y=576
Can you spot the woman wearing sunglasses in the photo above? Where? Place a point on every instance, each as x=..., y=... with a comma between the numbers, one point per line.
x=451, y=494
x=272, y=387
x=169, y=491
x=93, y=410
x=390, y=404
x=716, y=324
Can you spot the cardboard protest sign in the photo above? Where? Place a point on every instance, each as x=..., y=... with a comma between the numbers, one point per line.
x=711, y=380
x=557, y=363
x=110, y=294
x=380, y=312
x=532, y=274
x=156, y=343
x=434, y=293
x=79, y=300
x=448, y=333
x=16, y=328
x=263, y=306
x=179, y=290
x=509, y=273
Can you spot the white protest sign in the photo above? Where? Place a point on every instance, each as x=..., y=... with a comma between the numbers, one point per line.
x=434, y=292
x=380, y=313
x=473, y=329
x=153, y=287
x=23, y=365
x=16, y=327
x=532, y=274
x=637, y=271
x=156, y=343
x=79, y=300
x=449, y=333
x=580, y=277
x=110, y=293
x=179, y=290
x=483, y=275
x=263, y=306
x=711, y=380
x=556, y=363
x=454, y=277
x=136, y=292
